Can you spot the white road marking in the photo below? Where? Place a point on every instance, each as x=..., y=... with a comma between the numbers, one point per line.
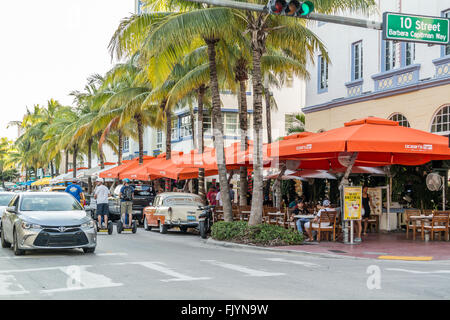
x=244, y=269
x=419, y=272
x=81, y=279
x=160, y=267
x=111, y=254
x=10, y=287
x=39, y=269
x=306, y=264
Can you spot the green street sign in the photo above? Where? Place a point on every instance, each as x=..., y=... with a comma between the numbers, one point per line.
x=413, y=28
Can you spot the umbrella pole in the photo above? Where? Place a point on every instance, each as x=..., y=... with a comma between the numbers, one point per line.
x=344, y=181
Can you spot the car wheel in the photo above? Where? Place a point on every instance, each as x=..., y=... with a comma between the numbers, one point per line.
x=162, y=228
x=89, y=250
x=146, y=226
x=202, y=229
x=17, y=251
x=5, y=244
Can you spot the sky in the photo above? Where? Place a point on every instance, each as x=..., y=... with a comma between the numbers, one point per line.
x=49, y=48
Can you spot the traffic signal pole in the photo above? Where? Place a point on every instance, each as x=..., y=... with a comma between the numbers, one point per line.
x=362, y=23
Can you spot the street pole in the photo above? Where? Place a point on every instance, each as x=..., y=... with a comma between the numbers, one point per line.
x=362, y=23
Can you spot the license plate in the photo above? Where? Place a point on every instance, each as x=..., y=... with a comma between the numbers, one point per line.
x=191, y=218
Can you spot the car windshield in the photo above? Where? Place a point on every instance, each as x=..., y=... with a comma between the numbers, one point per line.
x=49, y=203
x=194, y=201
x=5, y=199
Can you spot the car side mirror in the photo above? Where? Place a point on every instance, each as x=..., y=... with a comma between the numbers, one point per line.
x=11, y=209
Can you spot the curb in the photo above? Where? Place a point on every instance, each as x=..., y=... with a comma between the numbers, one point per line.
x=212, y=242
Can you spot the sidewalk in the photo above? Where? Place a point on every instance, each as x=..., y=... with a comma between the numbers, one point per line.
x=391, y=246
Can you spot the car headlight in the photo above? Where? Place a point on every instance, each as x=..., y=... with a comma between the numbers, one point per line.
x=26, y=225
x=89, y=224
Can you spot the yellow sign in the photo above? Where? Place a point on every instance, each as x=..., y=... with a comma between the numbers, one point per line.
x=352, y=203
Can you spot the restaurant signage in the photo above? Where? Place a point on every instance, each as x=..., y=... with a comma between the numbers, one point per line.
x=352, y=203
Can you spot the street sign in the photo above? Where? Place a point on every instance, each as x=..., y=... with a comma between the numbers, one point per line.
x=413, y=28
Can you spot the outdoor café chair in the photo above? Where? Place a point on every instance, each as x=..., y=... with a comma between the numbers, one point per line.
x=218, y=213
x=374, y=222
x=326, y=224
x=439, y=223
x=245, y=212
x=412, y=224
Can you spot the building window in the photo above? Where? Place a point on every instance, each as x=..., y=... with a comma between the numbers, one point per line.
x=441, y=121
x=410, y=53
x=401, y=119
x=230, y=123
x=323, y=74
x=185, y=126
x=159, y=139
x=446, y=48
x=174, y=129
x=126, y=145
x=357, y=61
x=207, y=123
x=390, y=55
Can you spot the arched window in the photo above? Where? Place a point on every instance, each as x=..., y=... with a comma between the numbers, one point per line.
x=401, y=119
x=441, y=121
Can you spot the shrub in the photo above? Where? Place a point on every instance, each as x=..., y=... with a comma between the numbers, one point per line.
x=262, y=234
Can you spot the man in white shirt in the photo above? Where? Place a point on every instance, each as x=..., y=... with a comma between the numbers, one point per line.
x=326, y=207
x=219, y=199
x=101, y=194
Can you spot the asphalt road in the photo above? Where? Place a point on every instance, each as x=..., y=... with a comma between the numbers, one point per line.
x=150, y=265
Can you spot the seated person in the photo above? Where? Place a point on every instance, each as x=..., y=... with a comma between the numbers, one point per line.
x=325, y=207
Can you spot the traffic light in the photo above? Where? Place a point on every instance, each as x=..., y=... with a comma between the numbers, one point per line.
x=293, y=8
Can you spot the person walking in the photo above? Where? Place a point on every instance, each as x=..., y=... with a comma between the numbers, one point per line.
x=75, y=190
x=101, y=194
x=126, y=196
x=365, y=214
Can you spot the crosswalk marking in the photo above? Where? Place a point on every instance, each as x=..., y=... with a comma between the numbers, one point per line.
x=243, y=269
x=81, y=279
x=160, y=267
x=419, y=272
x=9, y=286
x=306, y=264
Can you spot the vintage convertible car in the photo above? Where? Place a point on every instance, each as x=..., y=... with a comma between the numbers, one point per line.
x=173, y=209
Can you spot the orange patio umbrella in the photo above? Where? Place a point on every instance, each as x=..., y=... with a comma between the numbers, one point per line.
x=138, y=172
x=114, y=173
x=376, y=141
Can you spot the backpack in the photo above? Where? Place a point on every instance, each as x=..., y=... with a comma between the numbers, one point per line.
x=127, y=193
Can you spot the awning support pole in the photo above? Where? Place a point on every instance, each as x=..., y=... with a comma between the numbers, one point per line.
x=344, y=182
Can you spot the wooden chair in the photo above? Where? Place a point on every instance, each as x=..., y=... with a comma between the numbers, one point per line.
x=236, y=213
x=245, y=212
x=439, y=224
x=427, y=212
x=374, y=222
x=218, y=214
x=412, y=224
x=326, y=224
x=267, y=218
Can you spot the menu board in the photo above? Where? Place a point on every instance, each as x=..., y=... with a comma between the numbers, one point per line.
x=376, y=204
x=352, y=203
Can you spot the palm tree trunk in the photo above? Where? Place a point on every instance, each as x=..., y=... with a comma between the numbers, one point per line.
x=74, y=160
x=120, y=148
x=52, y=169
x=140, y=129
x=168, y=134
x=243, y=123
x=218, y=131
x=268, y=115
x=66, y=153
x=90, y=142
x=201, y=142
x=258, y=41
x=194, y=141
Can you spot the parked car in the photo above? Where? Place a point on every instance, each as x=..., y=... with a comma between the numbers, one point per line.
x=143, y=197
x=5, y=198
x=47, y=220
x=173, y=209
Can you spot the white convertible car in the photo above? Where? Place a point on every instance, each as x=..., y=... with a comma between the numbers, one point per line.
x=173, y=209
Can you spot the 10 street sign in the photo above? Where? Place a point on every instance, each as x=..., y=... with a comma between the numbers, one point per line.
x=403, y=27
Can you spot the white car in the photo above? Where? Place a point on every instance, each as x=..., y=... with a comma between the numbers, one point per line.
x=173, y=209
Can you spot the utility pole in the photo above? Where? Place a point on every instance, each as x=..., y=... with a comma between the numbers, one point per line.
x=362, y=23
